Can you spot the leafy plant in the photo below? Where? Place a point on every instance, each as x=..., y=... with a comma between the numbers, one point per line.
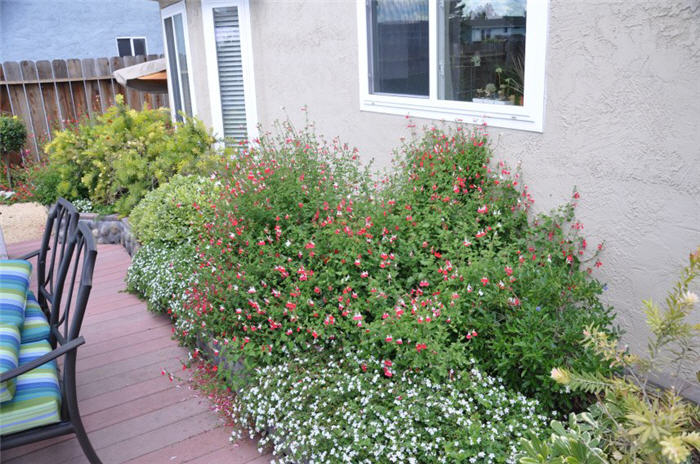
x=638, y=421
x=322, y=407
x=578, y=443
x=123, y=154
x=13, y=134
x=430, y=266
x=174, y=212
x=161, y=273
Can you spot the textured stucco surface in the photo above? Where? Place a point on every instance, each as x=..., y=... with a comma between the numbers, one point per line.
x=621, y=123
x=52, y=29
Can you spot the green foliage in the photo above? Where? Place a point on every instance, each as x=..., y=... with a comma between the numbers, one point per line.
x=578, y=443
x=637, y=421
x=323, y=408
x=161, y=273
x=173, y=212
x=427, y=268
x=123, y=154
x=13, y=134
x=46, y=180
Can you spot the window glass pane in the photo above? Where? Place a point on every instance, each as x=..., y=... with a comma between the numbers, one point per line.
x=139, y=46
x=482, y=51
x=398, y=47
x=124, y=47
x=228, y=57
x=182, y=62
x=172, y=66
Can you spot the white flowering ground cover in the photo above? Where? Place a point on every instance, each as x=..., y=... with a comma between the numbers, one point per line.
x=161, y=273
x=324, y=410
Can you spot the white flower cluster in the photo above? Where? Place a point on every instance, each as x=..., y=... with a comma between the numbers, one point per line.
x=161, y=274
x=333, y=412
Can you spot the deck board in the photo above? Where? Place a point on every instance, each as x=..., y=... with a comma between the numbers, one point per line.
x=131, y=411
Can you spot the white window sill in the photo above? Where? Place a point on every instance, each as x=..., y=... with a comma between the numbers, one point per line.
x=496, y=115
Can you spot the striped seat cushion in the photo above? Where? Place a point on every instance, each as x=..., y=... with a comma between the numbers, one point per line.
x=14, y=281
x=35, y=326
x=37, y=399
x=9, y=357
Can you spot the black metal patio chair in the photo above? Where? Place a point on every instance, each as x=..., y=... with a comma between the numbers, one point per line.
x=66, y=302
x=60, y=223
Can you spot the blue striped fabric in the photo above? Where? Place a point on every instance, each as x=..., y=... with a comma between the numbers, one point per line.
x=35, y=326
x=14, y=282
x=9, y=357
x=37, y=397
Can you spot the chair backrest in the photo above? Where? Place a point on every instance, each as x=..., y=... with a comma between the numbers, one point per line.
x=72, y=285
x=62, y=220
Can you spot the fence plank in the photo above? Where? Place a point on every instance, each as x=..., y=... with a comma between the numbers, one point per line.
x=92, y=87
x=18, y=98
x=35, y=101
x=50, y=96
x=5, y=104
x=106, y=85
x=65, y=94
x=116, y=62
x=133, y=96
x=75, y=71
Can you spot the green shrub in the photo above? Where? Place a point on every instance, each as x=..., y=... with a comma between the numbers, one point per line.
x=161, y=273
x=123, y=154
x=322, y=408
x=13, y=134
x=46, y=180
x=636, y=421
x=172, y=212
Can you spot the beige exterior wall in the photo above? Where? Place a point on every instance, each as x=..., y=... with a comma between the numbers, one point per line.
x=621, y=122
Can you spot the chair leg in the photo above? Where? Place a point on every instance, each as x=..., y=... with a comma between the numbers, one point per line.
x=85, y=441
x=73, y=411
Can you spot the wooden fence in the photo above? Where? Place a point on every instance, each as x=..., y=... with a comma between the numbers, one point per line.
x=48, y=95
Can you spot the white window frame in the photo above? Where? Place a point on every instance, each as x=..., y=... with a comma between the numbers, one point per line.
x=529, y=117
x=131, y=42
x=169, y=12
x=246, y=39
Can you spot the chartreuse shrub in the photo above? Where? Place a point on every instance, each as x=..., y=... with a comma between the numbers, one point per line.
x=424, y=269
x=633, y=420
x=123, y=154
x=172, y=212
x=322, y=410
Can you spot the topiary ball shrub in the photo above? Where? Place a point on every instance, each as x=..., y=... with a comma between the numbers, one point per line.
x=174, y=211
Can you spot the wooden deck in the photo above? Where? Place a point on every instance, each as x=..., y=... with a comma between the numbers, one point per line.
x=131, y=411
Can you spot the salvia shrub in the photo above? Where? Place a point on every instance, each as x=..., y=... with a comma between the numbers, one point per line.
x=422, y=269
x=123, y=154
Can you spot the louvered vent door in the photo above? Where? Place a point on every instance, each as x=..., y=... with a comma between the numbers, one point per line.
x=228, y=56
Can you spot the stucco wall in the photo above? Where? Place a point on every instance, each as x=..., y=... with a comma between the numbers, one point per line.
x=621, y=122
x=51, y=29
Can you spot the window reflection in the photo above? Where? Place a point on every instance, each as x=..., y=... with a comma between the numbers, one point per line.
x=482, y=51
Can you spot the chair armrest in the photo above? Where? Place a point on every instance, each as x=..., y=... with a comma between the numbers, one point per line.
x=60, y=351
x=31, y=254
